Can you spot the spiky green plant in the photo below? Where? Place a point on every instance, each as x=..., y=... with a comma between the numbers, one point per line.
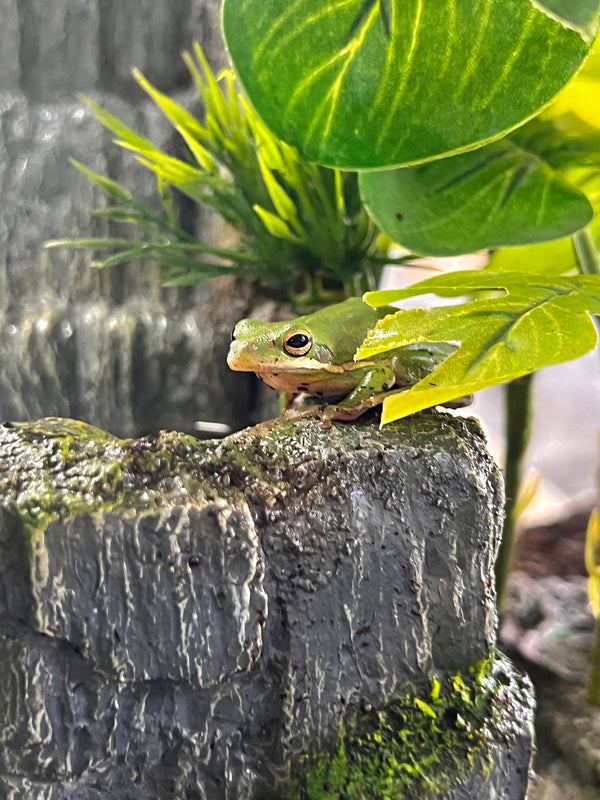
x=300, y=226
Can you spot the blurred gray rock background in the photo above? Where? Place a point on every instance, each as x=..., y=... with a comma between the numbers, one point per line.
x=111, y=348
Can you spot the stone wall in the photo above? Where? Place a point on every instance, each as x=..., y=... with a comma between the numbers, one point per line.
x=185, y=619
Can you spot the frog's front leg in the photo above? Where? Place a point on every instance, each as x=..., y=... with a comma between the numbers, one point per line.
x=372, y=387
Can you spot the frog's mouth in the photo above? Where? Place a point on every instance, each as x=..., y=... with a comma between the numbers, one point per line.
x=244, y=358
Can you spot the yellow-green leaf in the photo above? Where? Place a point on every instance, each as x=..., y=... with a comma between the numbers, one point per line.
x=533, y=321
x=284, y=205
x=592, y=561
x=275, y=225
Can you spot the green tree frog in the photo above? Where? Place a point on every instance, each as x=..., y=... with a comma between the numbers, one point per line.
x=314, y=355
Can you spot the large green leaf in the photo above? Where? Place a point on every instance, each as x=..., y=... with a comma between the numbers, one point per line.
x=502, y=194
x=535, y=321
x=376, y=83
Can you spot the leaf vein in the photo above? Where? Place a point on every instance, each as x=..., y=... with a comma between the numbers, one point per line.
x=405, y=75
x=543, y=200
x=451, y=37
x=473, y=59
x=278, y=23
x=509, y=64
x=299, y=30
x=501, y=335
x=332, y=95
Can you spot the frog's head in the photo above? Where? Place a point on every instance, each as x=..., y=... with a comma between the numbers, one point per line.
x=267, y=347
x=313, y=353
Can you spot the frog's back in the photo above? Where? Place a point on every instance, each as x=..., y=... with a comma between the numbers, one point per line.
x=351, y=316
x=344, y=325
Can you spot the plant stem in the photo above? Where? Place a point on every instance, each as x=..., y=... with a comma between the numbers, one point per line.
x=517, y=400
x=586, y=252
x=589, y=264
x=593, y=695
x=588, y=259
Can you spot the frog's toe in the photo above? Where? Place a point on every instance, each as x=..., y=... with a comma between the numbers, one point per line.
x=302, y=412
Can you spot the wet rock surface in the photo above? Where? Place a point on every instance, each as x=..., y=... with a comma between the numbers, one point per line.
x=186, y=619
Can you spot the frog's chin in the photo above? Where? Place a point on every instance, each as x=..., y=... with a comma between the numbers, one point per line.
x=294, y=376
x=308, y=381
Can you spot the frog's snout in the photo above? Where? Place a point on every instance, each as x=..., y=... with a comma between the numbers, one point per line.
x=233, y=355
x=240, y=356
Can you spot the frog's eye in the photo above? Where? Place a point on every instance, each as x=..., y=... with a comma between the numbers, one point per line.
x=297, y=342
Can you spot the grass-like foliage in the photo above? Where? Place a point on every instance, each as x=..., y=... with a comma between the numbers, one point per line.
x=300, y=226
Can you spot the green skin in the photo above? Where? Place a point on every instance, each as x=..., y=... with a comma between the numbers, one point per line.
x=314, y=355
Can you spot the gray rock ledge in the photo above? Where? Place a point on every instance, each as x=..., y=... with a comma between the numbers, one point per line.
x=184, y=618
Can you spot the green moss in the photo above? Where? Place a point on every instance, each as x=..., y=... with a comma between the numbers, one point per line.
x=414, y=747
x=57, y=468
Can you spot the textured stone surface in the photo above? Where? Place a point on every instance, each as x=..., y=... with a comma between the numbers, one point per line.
x=101, y=605
x=10, y=71
x=59, y=46
x=46, y=197
x=110, y=347
x=204, y=613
